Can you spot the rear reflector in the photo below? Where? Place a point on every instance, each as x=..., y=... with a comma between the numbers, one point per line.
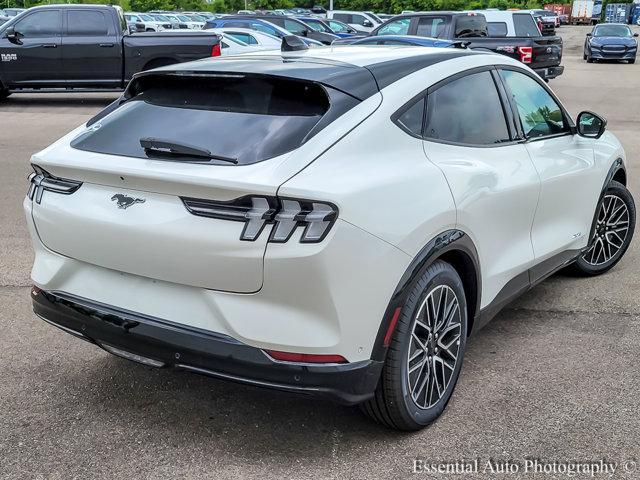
x=392, y=327
x=216, y=51
x=305, y=357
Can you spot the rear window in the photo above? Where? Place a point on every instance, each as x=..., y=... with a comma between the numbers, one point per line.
x=525, y=25
x=497, y=29
x=249, y=118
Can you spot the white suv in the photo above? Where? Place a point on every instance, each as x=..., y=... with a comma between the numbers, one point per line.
x=363, y=22
x=336, y=224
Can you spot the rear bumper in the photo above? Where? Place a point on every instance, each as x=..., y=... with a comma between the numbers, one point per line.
x=550, y=72
x=160, y=343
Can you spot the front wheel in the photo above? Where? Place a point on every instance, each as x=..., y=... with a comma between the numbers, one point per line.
x=632, y=61
x=615, y=224
x=4, y=93
x=425, y=354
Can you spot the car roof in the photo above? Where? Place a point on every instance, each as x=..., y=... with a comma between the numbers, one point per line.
x=359, y=71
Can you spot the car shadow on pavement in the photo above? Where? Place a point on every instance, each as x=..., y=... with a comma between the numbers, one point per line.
x=169, y=404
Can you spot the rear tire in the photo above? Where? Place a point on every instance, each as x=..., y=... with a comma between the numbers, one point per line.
x=615, y=224
x=425, y=354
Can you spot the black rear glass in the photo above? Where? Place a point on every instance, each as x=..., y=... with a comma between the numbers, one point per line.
x=249, y=118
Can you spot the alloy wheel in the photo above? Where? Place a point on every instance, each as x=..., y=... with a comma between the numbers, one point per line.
x=435, y=342
x=612, y=228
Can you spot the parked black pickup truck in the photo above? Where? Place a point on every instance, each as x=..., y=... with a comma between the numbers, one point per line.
x=72, y=47
x=506, y=32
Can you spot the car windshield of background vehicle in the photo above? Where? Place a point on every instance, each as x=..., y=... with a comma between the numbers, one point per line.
x=539, y=113
x=612, y=31
x=397, y=27
x=451, y=118
x=525, y=25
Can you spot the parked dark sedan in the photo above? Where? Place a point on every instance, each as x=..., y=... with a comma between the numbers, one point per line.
x=611, y=41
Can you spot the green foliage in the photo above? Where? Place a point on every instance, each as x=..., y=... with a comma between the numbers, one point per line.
x=387, y=6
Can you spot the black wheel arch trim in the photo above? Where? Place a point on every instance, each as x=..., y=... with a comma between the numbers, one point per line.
x=616, y=166
x=436, y=248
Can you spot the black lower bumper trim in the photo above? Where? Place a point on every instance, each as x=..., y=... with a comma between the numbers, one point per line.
x=158, y=342
x=550, y=72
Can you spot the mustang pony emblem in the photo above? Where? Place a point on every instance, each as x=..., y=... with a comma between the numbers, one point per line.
x=125, y=201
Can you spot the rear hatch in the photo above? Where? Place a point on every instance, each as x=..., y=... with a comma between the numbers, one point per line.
x=173, y=181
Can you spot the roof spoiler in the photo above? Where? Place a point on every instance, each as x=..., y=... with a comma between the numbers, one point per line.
x=292, y=43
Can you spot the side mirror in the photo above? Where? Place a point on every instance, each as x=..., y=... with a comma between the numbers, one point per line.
x=367, y=23
x=591, y=125
x=304, y=33
x=635, y=34
x=13, y=36
x=589, y=34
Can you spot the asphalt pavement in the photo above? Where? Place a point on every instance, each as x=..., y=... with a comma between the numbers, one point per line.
x=554, y=377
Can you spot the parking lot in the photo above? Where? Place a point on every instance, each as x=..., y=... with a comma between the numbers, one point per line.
x=555, y=376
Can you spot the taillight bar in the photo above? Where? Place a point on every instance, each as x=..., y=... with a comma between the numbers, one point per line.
x=216, y=51
x=41, y=180
x=256, y=212
x=526, y=54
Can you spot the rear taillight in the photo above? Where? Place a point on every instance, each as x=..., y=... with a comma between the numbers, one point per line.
x=216, y=51
x=526, y=54
x=41, y=181
x=305, y=357
x=256, y=212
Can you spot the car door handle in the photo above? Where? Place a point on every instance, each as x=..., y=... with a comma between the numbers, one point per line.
x=105, y=45
x=50, y=45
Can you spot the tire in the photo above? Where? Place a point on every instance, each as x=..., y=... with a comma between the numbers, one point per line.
x=589, y=59
x=4, y=93
x=631, y=62
x=584, y=56
x=611, y=239
x=393, y=404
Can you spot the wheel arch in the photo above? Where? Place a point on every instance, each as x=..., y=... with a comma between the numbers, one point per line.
x=452, y=246
x=617, y=172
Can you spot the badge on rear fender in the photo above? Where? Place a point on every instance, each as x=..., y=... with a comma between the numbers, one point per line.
x=8, y=57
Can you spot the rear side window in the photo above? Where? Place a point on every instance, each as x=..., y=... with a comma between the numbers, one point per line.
x=497, y=29
x=243, y=37
x=431, y=27
x=525, y=25
x=249, y=118
x=411, y=119
x=87, y=23
x=468, y=111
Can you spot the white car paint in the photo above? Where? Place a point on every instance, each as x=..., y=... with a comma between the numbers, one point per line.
x=254, y=37
x=360, y=21
x=395, y=193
